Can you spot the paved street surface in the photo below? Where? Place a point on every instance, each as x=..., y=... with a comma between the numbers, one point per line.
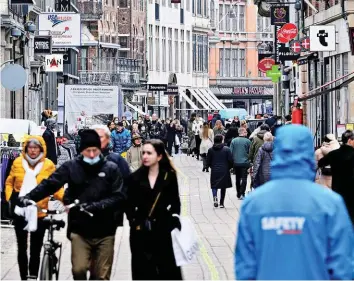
x=216, y=229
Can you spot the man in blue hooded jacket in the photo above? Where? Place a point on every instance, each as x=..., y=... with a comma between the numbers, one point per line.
x=121, y=139
x=292, y=228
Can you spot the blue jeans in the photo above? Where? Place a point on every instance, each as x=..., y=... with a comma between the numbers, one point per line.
x=222, y=194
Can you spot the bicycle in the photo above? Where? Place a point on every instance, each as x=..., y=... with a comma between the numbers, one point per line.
x=50, y=262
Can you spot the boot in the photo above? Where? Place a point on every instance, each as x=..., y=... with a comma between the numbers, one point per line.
x=204, y=169
x=216, y=204
x=207, y=170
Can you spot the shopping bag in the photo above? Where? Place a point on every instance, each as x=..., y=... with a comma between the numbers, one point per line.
x=177, y=142
x=185, y=242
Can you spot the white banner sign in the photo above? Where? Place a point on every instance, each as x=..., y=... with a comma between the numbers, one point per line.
x=54, y=63
x=91, y=101
x=65, y=28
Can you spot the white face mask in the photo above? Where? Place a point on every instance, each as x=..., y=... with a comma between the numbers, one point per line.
x=92, y=161
x=143, y=128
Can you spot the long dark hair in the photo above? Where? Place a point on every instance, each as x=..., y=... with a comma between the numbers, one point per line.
x=159, y=147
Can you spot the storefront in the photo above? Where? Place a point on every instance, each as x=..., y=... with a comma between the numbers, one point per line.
x=255, y=99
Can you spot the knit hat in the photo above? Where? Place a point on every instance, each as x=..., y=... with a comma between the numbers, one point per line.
x=89, y=138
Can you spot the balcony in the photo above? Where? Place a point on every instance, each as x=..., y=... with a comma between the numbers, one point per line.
x=90, y=11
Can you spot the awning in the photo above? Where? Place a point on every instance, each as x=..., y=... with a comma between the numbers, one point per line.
x=190, y=102
x=198, y=98
x=135, y=108
x=222, y=106
x=203, y=97
x=314, y=93
x=213, y=104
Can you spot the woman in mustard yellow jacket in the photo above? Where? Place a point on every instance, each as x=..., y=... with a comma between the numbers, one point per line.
x=27, y=171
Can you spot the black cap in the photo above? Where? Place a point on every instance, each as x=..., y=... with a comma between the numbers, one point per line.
x=89, y=138
x=120, y=124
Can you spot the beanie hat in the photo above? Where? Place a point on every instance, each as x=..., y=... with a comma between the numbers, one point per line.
x=89, y=138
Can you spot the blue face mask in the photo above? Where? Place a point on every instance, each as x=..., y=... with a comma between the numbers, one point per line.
x=91, y=161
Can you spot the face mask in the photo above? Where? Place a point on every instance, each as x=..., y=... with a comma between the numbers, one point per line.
x=116, y=122
x=91, y=161
x=143, y=128
x=279, y=122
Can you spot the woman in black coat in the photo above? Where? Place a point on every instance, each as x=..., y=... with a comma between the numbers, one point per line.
x=220, y=161
x=152, y=207
x=171, y=135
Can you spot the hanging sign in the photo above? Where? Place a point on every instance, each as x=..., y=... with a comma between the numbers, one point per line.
x=54, y=63
x=287, y=33
x=42, y=44
x=279, y=15
x=62, y=5
x=295, y=47
x=305, y=44
x=322, y=38
x=265, y=64
x=157, y=87
x=274, y=73
x=66, y=54
x=171, y=90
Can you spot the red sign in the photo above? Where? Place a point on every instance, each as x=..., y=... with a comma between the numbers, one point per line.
x=265, y=64
x=295, y=46
x=305, y=43
x=287, y=32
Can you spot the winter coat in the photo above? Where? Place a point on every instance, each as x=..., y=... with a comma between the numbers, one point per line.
x=341, y=161
x=15, y=179
x=121, y=141
x=134, y=157
x=219, y=159
x=230, y=135
x=171, y=132
x=257, y=142
x=219, y=131
x=261, y=168
x=216, y=117
x=206, y=143
x=240, y=148
x=292, y=228
x=326, y=148
x=100, y=186
x=197, y=127
x=179, y=132
x=156, y=130
x=51, y=144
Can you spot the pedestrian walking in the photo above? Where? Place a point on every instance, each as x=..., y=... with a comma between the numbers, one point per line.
x=240, y=147
x=50, y=141
x=197, y=128
x=152, y=209
x=178, y=138
x=191, y=134
x=135, y=129
x=341, y=161
x=111, y=126
x=135, y=153
x=98, y=184
x=292, y=228
x=120, y=139
x=231, y=134
x=207, y=141
x=257, y=142
x=324, y=175
x=216, y=117
x=236, y=121
x=244, y=125
x=219, y=128
x=31, y=168
x=219, y=159
x=261, y=168
x=171, y=136
x=155, y=128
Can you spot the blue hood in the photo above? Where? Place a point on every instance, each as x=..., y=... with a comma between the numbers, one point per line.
x=293, y=155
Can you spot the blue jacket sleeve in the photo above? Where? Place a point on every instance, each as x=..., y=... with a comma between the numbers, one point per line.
x=245, y=255
x=341, y=244
x=128, y=141
x=112, y=140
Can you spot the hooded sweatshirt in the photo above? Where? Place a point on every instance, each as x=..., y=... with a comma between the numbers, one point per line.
x=292, y=228
x=257, y=142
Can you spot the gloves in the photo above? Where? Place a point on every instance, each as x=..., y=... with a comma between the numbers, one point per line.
x=176, y=223
x=23, y=202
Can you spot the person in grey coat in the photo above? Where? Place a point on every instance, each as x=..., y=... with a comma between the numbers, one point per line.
x=219, y=159
x=261, y=169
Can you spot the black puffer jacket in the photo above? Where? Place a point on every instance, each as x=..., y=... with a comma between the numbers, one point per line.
x=100, y=186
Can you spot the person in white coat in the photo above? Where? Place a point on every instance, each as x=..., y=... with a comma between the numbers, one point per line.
x=197, y=127
x=207, y=141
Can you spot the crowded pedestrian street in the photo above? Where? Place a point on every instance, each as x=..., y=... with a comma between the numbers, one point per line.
x=216, y=230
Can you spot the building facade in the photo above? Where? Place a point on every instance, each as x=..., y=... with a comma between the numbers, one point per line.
x=238, y=33
x=328, y=113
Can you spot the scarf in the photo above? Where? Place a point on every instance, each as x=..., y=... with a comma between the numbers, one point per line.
x=28, y=184
x=34, y=161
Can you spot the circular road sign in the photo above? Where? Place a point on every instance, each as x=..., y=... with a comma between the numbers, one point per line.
x=13, y=77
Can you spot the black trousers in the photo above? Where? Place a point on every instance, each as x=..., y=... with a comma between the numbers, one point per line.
x=241, y=179
x=169, y=146
x=198, y=141
x=36, y=243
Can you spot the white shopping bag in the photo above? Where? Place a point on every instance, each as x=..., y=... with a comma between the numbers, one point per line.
x=185, y=242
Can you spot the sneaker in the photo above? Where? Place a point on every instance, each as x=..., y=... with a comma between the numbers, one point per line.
x=216, y=204
x=222, y=206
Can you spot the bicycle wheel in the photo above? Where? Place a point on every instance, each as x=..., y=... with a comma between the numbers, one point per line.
x=46, y=268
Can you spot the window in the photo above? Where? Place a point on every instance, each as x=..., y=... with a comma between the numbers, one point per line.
x=242, y=63
x=227, y=18
x=221, y=17
x=157, y=47
x=150, y=50
x=181, y=16
x=170, y=49
x=193, y=7
x=84, y=59
x=164, y=51
x=123, y=3
x=182, y=51
x=123, y=42
x=188, y=51
x=241, y=16
x=199, y=7
x=141, y=7
x=176, y=51
x=221, y=62
x=200, y=53
x=234, y=70
x=206, y=54
x=157, y=11
x=227, y=67
x=212, y=13
x=194, y=52
x=123, y=54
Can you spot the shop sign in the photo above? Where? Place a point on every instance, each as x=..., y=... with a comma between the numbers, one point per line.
x=65, y=28
x=287, y=33
x=260, y=90
x=172, y=90
x=42, y=45
x=157, y=87
x=279, y=15
x=54, y=63
x=66, y=54
x=274, y=73
x=305, y=44
x=62, y=5
x=176, y=1
x=295, y=46
x=265, y=64
x=322, y=38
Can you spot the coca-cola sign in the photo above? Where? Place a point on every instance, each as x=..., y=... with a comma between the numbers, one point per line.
x=260, y=90
x=287, y=33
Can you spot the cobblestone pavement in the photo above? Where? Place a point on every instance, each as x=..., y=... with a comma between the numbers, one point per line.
x=216, y=228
